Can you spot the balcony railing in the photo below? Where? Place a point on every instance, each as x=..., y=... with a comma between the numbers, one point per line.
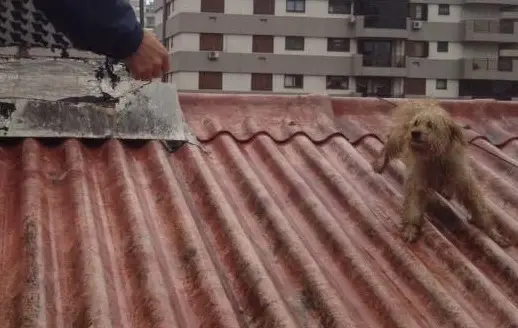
x=379, y=61
x=493, y=26
x=492, y=64
x=382, y=94
x=384, y=21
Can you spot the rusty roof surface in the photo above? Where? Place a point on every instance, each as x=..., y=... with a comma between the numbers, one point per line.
x=276, y=221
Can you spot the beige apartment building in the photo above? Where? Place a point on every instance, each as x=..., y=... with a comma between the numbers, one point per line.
x=446, y=48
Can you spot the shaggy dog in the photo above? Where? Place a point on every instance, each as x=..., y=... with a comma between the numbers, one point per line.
x=433, y=149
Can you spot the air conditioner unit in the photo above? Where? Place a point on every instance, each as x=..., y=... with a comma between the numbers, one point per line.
x=213, y=55
x=416, y=25
x=352, y=19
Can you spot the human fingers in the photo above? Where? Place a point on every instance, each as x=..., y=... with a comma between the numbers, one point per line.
x=156, y=70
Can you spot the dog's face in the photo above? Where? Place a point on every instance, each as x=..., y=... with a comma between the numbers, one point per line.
x=431, y=135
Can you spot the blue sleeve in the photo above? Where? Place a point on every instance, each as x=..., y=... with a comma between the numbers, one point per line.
x=105, y=27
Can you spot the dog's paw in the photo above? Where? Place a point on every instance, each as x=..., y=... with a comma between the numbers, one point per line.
x=410, y=232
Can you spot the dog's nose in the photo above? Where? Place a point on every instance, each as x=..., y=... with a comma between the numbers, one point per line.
x=416, y=134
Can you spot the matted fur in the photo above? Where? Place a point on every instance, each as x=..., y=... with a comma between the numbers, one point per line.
x=433, y=149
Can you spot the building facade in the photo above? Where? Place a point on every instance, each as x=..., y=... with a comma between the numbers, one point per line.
x=389, y=48
x=149, y=14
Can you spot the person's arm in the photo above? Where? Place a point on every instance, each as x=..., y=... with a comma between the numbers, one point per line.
x=105, y=27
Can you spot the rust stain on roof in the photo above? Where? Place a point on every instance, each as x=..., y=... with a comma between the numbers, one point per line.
x=277, y=222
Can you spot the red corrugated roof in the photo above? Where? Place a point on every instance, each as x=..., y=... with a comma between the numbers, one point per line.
x=277, y=221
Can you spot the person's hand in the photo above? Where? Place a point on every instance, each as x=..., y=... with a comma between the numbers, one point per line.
x=150, y=61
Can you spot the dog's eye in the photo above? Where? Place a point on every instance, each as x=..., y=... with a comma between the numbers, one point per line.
x=416, y=122
x=429, y=125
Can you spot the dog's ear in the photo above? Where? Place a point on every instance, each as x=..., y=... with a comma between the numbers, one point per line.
x=456, y=133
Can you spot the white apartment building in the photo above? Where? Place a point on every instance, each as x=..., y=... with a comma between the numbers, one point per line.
x=446, y=49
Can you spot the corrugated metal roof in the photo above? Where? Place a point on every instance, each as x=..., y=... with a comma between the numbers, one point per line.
x=276, y=221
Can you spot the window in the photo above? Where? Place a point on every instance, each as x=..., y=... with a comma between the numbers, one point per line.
x=264, y=7
x=442, y=46
x=441, y=84
x=210, y=80
x=211, y=42
x=339, y=7
x=417, y=49
x=506, y=26
x=444, y=10
x=294, y=43
x=294, y=81
x=150, y=21
x=416, y=87
x=419, y=11
x=338, y=44
x=212, y=6
x=262, y=43
x=295, y=6
x=262, y=82
x=337, y=82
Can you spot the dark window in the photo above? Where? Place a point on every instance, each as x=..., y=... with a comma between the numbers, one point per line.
x=506, y=26
x=295, y=6
x=213, y=6
x=210, y=80
x=378, y=53
x=505, y=64
x=415, y=87
x=262, y=82
x=338, y=44
x=337, y=82
x=211, y=41
x=418, y=11
x=442, y=46
x=417, y=49
x=441, y=84
x=339, y=7
x=294, y=43
x=444, y=10
x=264, y=7
x=294, y=81
x=262, y=43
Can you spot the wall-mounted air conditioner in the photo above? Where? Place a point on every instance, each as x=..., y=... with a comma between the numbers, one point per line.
x=213, y=55
x=417, y=25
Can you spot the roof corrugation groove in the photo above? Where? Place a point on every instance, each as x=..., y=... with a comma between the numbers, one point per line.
x=276, y=221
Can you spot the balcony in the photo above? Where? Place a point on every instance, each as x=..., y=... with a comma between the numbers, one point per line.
x=427, y=68
x=491, y=69
x=380, y=27
x=452, y=31
x=511, y=13
x=491, y=2
x=377, y=66
x=509, y=52
x=484, y=30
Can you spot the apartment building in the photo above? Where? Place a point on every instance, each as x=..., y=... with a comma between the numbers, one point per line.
x=389, y=48
x=149, y=13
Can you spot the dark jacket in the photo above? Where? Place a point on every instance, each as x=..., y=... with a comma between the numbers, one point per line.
x=105, y=27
